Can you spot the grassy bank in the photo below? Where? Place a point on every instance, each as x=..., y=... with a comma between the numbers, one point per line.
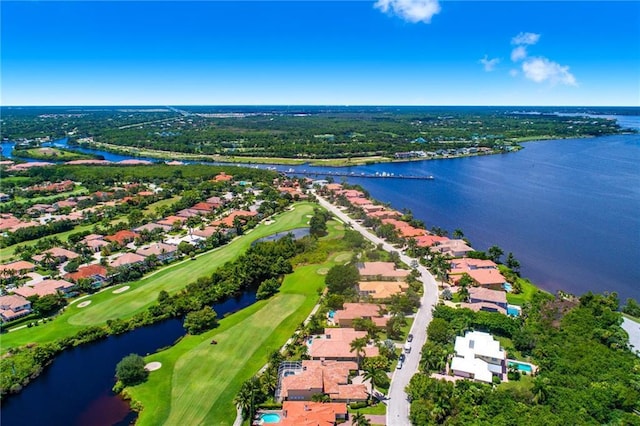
x=52, y=154
x=107, y=305
x=198, y=381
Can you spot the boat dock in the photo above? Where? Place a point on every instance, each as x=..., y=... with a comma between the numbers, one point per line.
x=377, y=175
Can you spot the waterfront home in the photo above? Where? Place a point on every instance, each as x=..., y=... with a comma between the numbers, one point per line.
x=404, y=229
x=478, y=356
x=126, y=259
x=484, y=299
x=122, y=237
x=59, y=255
x=13, y=307
x=344, y=317
x=467, y=264
x=371, y=208
x=96, y=273
x=300, y=381
x=381, y=271
x=357, y=201
x=163, y=251
x=335, y=344
x=429, y=240
x=488, y=278
x=45, y=287
x=453, y=248
x=381, y=290
x=385, y=214
x=307, y=413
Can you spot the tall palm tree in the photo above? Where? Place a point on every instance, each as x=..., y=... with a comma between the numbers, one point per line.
x=357, y=346
x=359, y=419
x=48, y=259
x=246, y=396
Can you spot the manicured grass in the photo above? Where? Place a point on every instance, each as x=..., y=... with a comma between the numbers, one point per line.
x=525, y=384
x=198, y=381
x=153, y=207
x=52, y=154
x=528, y=290
x=507, y=344
x=106, y=305
x=377, y=410
x=78, y=190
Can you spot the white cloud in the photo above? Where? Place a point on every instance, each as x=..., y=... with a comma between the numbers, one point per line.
x=513, y=73
x=489, y=64
x=410, y=10
x=518, y=53
x=542, y=69
x=525, y=38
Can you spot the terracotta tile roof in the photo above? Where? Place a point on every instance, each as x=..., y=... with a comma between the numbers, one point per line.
x=157, y=249
x=488, y=295
x=91, y=237
x=87, y=272
x=18, y=266
x=382, y=269
x=122, y=237
x=43, y=288
x=12, y=301
x=429, y=240
x=351, y=311
x=222, y=177
x=382, y=289
x=404, y=229
x=358, y=201
x=204, y=207
x=307, y=413
x=484, y=277
x=126, y=259
x=170, y=220
x=460, y=266
x=333, y=186
x=484, y=306
x=206, y=232
x=324, y=376
x=385, y=214
x=336, y=343
x=57, y=252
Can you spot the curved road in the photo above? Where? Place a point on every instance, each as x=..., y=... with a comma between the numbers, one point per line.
x=397, y=404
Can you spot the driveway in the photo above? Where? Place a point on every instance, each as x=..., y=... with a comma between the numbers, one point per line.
x=397, y=404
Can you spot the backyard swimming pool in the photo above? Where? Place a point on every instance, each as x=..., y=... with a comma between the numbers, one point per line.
x=270, y=418
x=521, y=366
x=513, y=310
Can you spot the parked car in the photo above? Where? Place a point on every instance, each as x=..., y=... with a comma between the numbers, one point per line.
x=410, y=337
x=402, y=357
x=399, y=366
x=407, y=347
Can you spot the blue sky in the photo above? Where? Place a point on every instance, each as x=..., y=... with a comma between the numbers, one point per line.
x=389, y=52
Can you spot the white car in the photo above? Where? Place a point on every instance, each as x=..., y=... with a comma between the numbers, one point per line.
x=399, y=366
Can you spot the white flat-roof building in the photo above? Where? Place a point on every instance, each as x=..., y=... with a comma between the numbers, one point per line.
x=478, y=356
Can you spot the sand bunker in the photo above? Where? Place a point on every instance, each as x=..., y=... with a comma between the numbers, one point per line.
x=343, y=257
x=269, y=222
x=322, y=271
x=83, y=304
x=121, y=289
x=153, y=366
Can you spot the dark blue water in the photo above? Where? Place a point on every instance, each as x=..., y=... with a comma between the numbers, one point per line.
x=76, y=388
x=297, y=234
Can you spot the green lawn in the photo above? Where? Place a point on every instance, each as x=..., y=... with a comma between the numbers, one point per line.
x=78, y=190
x=198, y=381
x=378, y=410
x=106, y=305
x=153, y=207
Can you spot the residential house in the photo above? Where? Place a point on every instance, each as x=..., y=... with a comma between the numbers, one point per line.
x=215, y=201
x=381, y=290
x=171, y=220
x=335, y=344
x=484, y=299
x=18, y=267
x=488, y=278
x=381, y=271
x=429, y=240
x=385, y=214
x=162, y=251
x=453, y=248
x=307, y=413
x=404, y=229
x=187, y=213
x=478, y=356
x=304, y=379
x=344, y=317
x=122, y=237
x=45, y=287
x=151, y=226
x=222, y=177
x=96, y=245
x=96, y=273
x=59, y=255
x=13, y=307
x=126, y=259
x=204, y=207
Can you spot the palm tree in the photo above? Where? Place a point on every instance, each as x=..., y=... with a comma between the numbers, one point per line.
x=48, y=259
x=359, y=419
x=245, y=397
x=458, y=234
x=357, y=346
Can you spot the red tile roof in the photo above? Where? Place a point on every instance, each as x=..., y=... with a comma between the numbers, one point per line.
x=382, y=269
x=122, y=237
x=307, y=413
x=87, y=272
x=43, y=288
x=126, y=259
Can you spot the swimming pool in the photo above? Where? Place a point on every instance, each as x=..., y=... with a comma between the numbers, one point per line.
x=331, y=314
x=521, y=366
x=513, y=310
x=270, y=418
x=507, y=287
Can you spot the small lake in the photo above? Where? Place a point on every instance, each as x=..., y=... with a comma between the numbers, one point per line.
x=297, y=234
x=76, y=389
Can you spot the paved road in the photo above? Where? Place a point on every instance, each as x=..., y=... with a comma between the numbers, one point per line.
x=397, y=404
x=633, y=329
